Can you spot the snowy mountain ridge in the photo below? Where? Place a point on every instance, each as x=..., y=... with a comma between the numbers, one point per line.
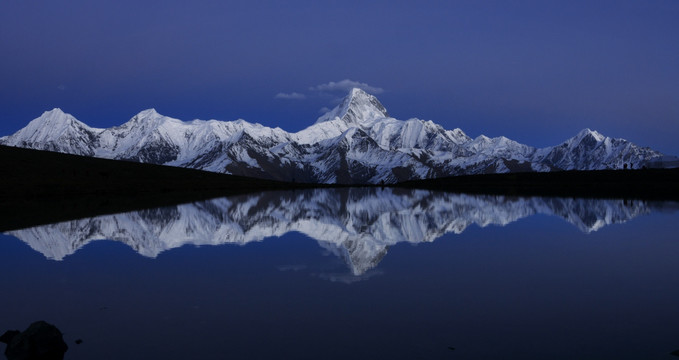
x=357, y=224
x=356, y=142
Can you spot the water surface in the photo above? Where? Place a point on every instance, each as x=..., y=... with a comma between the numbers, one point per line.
x=355, y=273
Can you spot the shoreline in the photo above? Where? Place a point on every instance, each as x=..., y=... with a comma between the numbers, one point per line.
x=40, y=187
x=643, y=184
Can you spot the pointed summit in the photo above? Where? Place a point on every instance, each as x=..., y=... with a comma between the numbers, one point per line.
x=55, y=115
x=590, y=133
x=358, y=108
x=145, y=118
x=55, y=111
x=148, y=112
x=54, y=121
x=587, y=138
x=55, y=130
x=146, y=115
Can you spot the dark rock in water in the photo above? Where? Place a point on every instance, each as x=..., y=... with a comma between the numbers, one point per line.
x=78, y=341
x=41, y=341
x=675, y=352
x=9, y=335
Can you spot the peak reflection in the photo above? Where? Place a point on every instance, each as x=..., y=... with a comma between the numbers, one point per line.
x=356, y=224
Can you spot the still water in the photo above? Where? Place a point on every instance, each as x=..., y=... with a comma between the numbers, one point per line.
x=355, y=274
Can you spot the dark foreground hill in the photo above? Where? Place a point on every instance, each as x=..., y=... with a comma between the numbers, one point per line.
x=41, y=187
x=661, y=184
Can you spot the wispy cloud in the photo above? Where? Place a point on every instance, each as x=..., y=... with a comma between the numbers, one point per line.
x=290, y=96
x=346, y=85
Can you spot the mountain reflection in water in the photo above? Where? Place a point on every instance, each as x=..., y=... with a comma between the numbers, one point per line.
x=356, y=224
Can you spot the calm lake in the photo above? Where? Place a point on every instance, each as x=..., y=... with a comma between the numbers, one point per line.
x=361, y=273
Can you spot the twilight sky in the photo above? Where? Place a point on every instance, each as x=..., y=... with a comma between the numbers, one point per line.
x=534, y=71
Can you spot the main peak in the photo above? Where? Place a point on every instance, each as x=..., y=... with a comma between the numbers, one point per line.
x=355, y=92
x=591, y=133
x=357, y=108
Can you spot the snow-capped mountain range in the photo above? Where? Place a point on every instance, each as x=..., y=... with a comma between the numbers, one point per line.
x=356, y=142
x=356, y=224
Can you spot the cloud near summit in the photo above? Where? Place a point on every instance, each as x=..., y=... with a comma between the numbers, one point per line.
x=335, y=90
x=346, y=85
x=290, y=96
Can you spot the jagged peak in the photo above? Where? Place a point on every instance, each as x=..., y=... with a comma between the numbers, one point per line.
x=593, y=133
x=496, y=139
x=357, y=108
x=586, y=137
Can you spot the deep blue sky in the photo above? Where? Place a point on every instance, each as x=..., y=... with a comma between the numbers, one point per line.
x=534, y=71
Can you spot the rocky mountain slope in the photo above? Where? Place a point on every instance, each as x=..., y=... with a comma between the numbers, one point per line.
x=356, y=142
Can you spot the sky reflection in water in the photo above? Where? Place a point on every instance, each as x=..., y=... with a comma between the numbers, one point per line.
x=534, y=287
